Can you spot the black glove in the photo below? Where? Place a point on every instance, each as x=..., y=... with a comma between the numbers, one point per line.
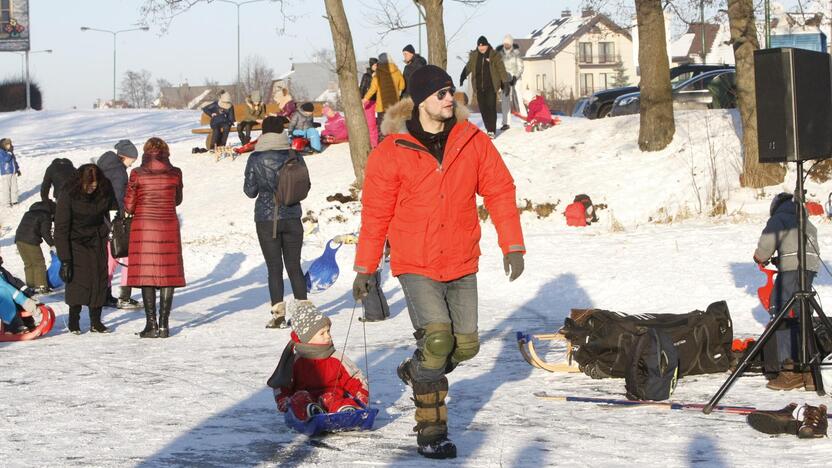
x=761, y=262
x=514, y=264
x=19, y=174
x=361, y=286
x=66, y=272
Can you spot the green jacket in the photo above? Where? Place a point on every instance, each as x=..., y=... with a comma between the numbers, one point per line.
x=498, y=70
x=253, y=112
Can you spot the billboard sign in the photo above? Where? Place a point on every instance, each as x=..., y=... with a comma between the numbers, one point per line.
x=14, y=25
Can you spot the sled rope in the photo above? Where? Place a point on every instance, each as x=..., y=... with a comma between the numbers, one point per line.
x=344, y=350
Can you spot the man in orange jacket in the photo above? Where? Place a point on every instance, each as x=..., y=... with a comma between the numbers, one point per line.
x=420, y=190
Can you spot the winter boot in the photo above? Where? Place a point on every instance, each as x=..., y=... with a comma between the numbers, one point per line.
x=814, y=423
x=110, y=301
x=786, y=380
x=95, y=321
x=432, y=419
x=780, y=421
x=278, y=319
x=74, y=324
x=151, y=328
x=165, y=303
x=126, y=302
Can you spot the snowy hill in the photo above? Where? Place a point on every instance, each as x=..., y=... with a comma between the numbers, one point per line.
x=199, y=398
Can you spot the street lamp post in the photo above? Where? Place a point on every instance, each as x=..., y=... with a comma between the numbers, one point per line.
x=114, y=33
x=24, y=68
x=238, y=5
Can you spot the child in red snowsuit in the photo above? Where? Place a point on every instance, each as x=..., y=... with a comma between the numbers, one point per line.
x=310, y=379
x=539, y=116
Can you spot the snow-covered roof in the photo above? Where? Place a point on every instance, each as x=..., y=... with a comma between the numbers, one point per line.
x=559, y=32
x=688, y=46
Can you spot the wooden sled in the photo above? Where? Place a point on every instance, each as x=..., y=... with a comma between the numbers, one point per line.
x=526, y=341
x=222, y=152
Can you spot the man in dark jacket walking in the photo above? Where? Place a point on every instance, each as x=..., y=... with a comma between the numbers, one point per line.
x=35, y=227
x=279, y=228
x=488, y=74
x=114, y=165
x=413, y=62
x=59, y=171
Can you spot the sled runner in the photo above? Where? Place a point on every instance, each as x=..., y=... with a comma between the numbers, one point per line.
x=47, y=320
x=526, y=344
x=359, y=420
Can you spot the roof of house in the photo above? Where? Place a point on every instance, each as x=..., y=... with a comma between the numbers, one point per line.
x=187, y=96
x=688, y=46
x=309, y=80
x=560, y=32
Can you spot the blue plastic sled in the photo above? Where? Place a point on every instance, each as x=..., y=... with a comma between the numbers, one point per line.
x=324, y=271
x=53, y=276
x=361, y=420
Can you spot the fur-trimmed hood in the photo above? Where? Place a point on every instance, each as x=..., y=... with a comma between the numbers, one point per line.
x=396, y=116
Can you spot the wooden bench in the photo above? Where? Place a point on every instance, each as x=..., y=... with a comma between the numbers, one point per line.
x=239, y=110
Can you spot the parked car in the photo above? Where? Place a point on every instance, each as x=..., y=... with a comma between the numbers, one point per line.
x=580, y=107
x=600, y=103
x=696, y=92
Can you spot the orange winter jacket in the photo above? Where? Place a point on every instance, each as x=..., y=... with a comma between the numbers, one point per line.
x=429, y=211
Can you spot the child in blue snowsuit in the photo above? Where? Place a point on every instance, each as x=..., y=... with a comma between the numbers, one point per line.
x=302, y=124
x=222, y=116
x=11, y=299
x=9, y=171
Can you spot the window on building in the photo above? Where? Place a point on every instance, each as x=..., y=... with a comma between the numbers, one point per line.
x=585, y=52
x=543, y=82
x=606, y=52
x=587, y=86
x=5, y=12
x=537, y=82
x=604, y=80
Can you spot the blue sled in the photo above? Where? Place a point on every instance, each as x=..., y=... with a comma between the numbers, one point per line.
x=324, y=271
x=53, y=276
x=361, y=420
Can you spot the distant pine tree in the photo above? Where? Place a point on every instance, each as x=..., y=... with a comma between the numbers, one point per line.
x=620, y=79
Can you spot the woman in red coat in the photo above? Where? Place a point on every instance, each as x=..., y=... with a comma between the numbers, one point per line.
x=153, y=193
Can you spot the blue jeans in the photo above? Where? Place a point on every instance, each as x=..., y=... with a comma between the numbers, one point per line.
x=312, y=135
x=786, y=341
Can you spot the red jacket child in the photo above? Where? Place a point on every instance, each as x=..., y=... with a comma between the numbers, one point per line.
x=310, y=378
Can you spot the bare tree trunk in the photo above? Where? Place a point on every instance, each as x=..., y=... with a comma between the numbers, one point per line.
x=435, y=25
x=657, y=126
x=348, y=83
x=744, y=40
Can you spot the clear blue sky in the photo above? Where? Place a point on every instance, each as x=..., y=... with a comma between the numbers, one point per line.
x=202, y=43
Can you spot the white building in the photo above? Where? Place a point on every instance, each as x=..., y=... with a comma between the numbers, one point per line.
x=575, y=56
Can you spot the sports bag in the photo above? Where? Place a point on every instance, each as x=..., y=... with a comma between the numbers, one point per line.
x=120, y=236
x=654, y=367
x=603, y=340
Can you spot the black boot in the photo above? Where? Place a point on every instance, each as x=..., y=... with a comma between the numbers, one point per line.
x=151, y=328
x=165, y=303
x=110, y=301
x=95, y=321
x=74, y=320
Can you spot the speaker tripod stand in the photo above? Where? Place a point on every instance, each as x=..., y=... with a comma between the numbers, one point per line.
x=809, y=357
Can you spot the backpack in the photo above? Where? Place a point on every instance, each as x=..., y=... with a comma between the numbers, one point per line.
x=293, y=184
x=581, y=212
x=653, y=367
x=603, y=340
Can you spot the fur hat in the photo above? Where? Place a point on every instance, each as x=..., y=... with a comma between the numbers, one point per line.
x=426, y=81
x=126, y=148
x=255, y=97
x=274, y=124
x=409, y=48
x=508, y=40
x=307, y=320
x=307, y=107
x=225, y=100
x=482, y=41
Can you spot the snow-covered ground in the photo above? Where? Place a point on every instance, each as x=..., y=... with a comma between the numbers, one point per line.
x=199, y=398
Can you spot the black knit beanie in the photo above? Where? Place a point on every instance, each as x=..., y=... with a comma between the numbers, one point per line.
x=409, y=48
x=307, y=107
x=274, y=124
x=373, y=61
x=482, y=41
x=426, y=81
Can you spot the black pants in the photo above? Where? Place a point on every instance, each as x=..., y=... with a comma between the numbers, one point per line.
x=244, y=131
x=220, y=135
x=487, y=100
x=285, y=248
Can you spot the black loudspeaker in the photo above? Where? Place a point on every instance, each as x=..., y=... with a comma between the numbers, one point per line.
x=794, y=104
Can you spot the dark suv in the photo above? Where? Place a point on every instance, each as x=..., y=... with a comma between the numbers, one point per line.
x=600, y=103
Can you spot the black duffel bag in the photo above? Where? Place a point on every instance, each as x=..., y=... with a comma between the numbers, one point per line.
x=603, y=341
x=120, y=236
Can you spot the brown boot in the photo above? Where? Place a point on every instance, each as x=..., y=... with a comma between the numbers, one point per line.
x=432, y=419
x=786, y=380
x=814, y=423
x=780, y=421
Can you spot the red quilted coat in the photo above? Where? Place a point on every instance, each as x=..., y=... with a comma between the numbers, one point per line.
x=427, y=210
x=153, y=192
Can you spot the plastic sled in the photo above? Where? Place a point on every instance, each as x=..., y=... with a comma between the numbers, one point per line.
x=359, y=420
x=324, y=271
x=47, y=321
x=53, y=276
x=299, y=143
x=764, y=293
x=246, y=148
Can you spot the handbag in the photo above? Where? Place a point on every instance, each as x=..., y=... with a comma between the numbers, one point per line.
x=120, y=236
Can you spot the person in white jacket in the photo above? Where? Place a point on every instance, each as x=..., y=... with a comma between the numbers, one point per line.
x=513, y=61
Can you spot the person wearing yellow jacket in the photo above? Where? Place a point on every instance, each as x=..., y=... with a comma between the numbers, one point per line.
x=387, y=86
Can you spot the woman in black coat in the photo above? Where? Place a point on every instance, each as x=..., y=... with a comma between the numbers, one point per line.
x=81, y=228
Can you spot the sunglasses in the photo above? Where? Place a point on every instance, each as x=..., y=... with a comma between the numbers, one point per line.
x=444, y=92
